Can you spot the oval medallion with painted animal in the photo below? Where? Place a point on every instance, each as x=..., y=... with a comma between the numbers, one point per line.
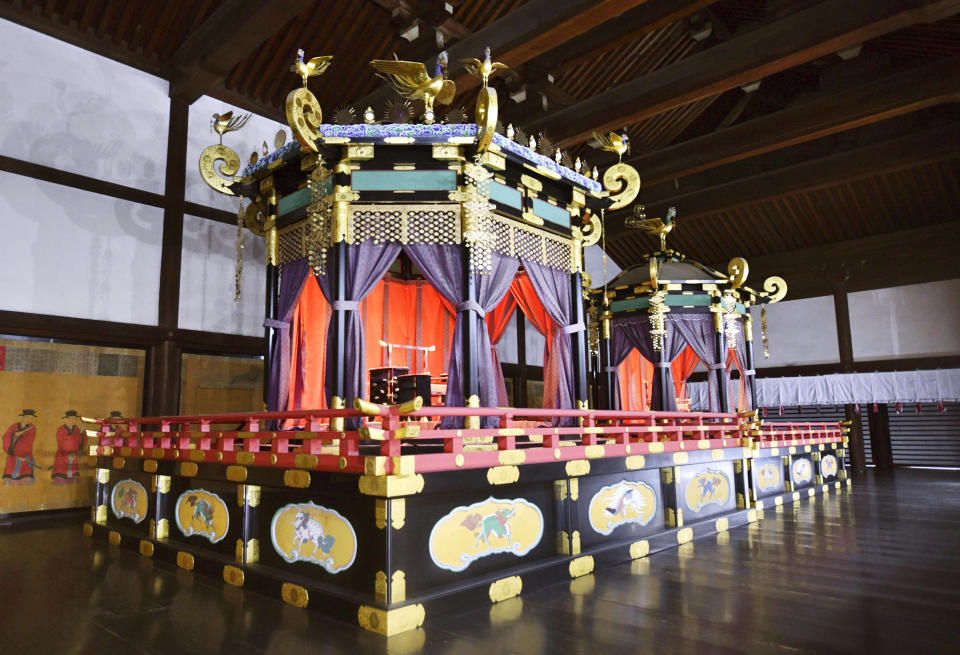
x=828, y=466
x=129, y=500
x=492, y=526
x=305, y=532
x=620, y=504
x=707, y=488
x=768, y=476
x=802, y=471
x=201, y=513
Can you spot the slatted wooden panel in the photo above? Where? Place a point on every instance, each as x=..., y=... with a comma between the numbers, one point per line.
x=930, y=438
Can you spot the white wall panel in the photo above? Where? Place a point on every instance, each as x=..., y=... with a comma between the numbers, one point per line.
x=909, y=321
x=200, y=135
x=593, y=264
x=800, y=331
x=79, y=254
x=507, y=346
x=76, y=111
x=207, y=279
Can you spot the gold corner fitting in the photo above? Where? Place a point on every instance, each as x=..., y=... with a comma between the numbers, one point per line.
x=505, y=588
x=390, y=622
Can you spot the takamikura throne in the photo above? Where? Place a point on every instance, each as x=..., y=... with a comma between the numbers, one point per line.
x=384, y=494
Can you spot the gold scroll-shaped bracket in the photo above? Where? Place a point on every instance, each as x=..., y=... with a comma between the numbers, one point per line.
x=592, y=231
x=219, y=180
x=737, y=271
x=623, y=183
x=776, y=288
x=485, y=116
x=304, y=117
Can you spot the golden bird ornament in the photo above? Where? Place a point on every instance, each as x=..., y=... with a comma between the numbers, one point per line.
x=227, y=122
x=613, y=142
x=483, y=69
x=410, y=80
x=307, y=69
x=659, y=226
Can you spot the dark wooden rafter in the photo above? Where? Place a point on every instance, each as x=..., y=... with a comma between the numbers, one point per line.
x=231, y=33
x=858, y=163
x=801, y=37
x=871, y=102
x=526, y=32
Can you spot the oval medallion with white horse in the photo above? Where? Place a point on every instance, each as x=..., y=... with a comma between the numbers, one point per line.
x=489, y=527
x=305, y=532
x=203, y=514
x=129, y=500
x=622, y=503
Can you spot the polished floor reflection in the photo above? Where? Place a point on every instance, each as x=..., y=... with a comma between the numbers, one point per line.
x=873, y=570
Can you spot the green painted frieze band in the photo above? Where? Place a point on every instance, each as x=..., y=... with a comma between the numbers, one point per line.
x=404, y=180
x=551, y=213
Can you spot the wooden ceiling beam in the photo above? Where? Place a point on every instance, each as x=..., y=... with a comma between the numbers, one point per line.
x=888, y=155
x=528, y=31
x=225, y=39
x=631, y=26
x=799, y=38
x=878, y=100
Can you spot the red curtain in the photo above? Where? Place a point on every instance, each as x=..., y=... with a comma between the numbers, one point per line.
x=682, y=367
x=732, y=361
x=635, y=375
x=526, y=298
x=497, y=322
x=308, y=345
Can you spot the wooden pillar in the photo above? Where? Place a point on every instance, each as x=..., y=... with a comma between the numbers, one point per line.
x=663, y=378
x=719, y=367
x=606, y=373
x=858, y=459
x=880, y=437
x=578, y=343
x=470, y=373
x=163, y=374
x=520, y=382
x=750, y=374
x=338, y=324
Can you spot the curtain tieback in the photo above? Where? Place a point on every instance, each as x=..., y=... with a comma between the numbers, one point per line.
x=574, y=328
x=714, y=367
x=750, y=371
x=275, y=324
x=471, y=306
x=346, y=305
x=663, y=364
x=611, y=369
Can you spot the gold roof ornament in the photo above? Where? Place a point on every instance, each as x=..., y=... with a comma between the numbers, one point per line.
x=483, y=69
x=227, y=122
x=307, y=69
x=410, y=80
x=658, y=226
x=613, y=142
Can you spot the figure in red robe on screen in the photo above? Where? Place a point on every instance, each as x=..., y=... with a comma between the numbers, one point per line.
x=18, y=446
x=70, y=439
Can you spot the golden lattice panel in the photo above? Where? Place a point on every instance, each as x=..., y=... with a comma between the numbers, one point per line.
x=422, y=223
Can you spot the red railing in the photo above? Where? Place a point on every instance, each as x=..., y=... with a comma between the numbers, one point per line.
x=403, y=439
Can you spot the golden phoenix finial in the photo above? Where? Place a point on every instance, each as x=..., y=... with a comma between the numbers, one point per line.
x=410, y=80
x=659, y=226
x=613, y=142
x=311, y=68
x=483, y=69
x=227, y=122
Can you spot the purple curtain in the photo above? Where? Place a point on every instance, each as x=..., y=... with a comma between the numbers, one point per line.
x=741, y=354
x=620, y=349
x=637, y=331
x=366, y=264
x=293, y=277
x=442, y=266
x=553, y=289
x=698, y=331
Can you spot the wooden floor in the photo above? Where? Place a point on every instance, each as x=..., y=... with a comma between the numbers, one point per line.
x=872, y=570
